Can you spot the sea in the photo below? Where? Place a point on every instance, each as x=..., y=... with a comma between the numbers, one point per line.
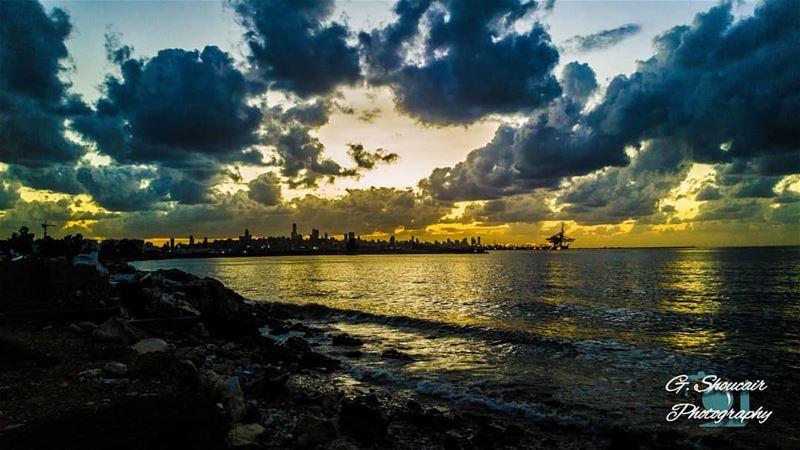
x=582, y=337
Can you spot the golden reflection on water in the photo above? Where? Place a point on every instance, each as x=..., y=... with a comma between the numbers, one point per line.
x=666, y=298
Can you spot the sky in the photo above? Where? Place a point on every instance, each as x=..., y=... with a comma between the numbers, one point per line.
x=635, y=123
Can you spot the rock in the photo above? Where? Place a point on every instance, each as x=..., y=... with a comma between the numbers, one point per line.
x=355, y=354
x=89, y=373
x=252, y=414
x=451, y=442
x=346, y=340
x=114, y=329
x=488, y=436
x=211, y=384
x=269, y=387
x=229, y=392
x=233, y=399
x=151, y=345
x=314, y=360
x=313, y=431
x=154, y=364
x=245, y=435
x=182, y=373
x=115, y=369
x=362, y=418
x=393, y=353
x=297, y=344
x=73, y=328
x=87, y=326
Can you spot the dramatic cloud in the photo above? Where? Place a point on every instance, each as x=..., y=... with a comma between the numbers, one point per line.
x=602, y=39
x=59, y=178
x=180, y=109
x=363, y=211
x=301, y=156
x=34, y=101
x=472, y=63
x=727, y=90
x=528, y=208
x=295, y=48
x=690, y=93
x=617, y=194
x=8, y=195
x=552, y=145
x=578, y=81
x=120, y=188
x=265, y=189
x=369, y=210
x=59, y=212
x=366, y=160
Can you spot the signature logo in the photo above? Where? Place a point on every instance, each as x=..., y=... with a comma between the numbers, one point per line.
x=718, y=410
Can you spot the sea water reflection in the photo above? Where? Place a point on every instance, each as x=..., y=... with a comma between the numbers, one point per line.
x=603, y=329
x=700, y=301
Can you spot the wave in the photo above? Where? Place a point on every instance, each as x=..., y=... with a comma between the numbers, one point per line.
x=461, y=397
x=315, y=311
x=609, y=351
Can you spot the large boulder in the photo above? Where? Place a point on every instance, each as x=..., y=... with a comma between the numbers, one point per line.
x=117, y=330
x=362, y=418
x=174, y=293
x=245, y=435
x=313, y=432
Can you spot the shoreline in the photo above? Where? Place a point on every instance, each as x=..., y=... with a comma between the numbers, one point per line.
x=249, y=374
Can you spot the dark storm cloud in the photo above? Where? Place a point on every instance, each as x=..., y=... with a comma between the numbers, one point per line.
x=632, y=192
x=517, y=208
x=707, y=192
x=723, y=91
x=294, y=46
x=537, y=154
x=34, y=101
x=300, y=155
x=265, y=189
x=602, y=39
x=369, y=210
x=8, y=195
x=473, y=63
x=120, y=188
x=58, y=178
x=178, y=109
x=728, y=90
x=365, y=159
x=578, y=81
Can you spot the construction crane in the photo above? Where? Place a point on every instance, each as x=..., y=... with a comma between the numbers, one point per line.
x=560, y=241
x=45, y=226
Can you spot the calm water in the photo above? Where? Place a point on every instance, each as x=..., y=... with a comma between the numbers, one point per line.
x=583, y=333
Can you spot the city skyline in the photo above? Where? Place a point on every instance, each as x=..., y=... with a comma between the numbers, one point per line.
x=368, y=116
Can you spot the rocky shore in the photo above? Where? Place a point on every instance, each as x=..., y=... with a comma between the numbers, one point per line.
x=110, y=357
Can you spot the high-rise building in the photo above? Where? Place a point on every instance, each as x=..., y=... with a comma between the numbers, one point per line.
x=247, y=236
x=171, y=242
x=191, y=240
x=294, y=231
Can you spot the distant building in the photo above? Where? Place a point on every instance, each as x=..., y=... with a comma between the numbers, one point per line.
x=294, y=231
x=191, y=240
x=171, y=242
x=247, y=236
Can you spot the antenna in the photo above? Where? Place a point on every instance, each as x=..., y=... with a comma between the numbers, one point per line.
x=45, y=226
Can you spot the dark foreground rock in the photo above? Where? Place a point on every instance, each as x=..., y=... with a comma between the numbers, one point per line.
x=166, y=421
